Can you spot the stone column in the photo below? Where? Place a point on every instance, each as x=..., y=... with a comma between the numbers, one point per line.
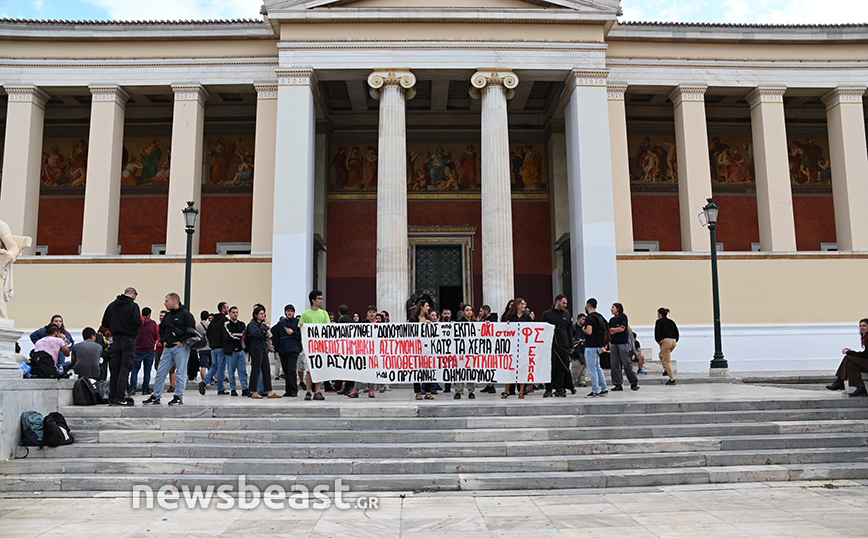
x=620, y=168
x=292, y=249
x=694, y=173
x=846, y=120
x=102, y=195
x=392, y=88
x=494, y=87
x=22, y=160
x=185, y=175
x=774, y=194
x=592, y=208
x=263, y=173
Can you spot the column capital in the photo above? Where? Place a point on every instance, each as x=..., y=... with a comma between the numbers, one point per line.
x=296, y=77
x=587, y=77
x=26, y=93
x=108, y=93
x=402, y=77
x=491, y=77
x=691, y=93
x=190, y=92
x=266, y=90
x=843, y=94
x=615, y=92
x=766, y=94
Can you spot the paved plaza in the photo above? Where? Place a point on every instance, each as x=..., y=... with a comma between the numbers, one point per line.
x=789, y=509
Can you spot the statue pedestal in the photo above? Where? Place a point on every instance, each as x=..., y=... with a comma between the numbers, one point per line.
x=9, y=360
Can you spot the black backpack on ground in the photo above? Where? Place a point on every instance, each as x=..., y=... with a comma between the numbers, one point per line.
x=103, y=389
x=42, y=365
x=55, y=431
x=84, y=392
x=31, y=428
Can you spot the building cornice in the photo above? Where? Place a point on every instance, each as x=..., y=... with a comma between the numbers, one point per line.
x=665, y=32
x=33, y=30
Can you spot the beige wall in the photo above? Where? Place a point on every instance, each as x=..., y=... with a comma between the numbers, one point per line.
x=138, y=50
x=725, y=51
x=80, y=290
x=366, y=31
x=753, y=289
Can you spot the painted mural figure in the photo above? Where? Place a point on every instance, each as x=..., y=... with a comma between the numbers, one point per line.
x=468, y=168
x=339, y=162
x=224, y=153
x=517, y=159
x=151, y=154
x=531, y=170
x=654, y=161
x=78, y=164
x=129, y=175
x=53, y=165
x=354, y=168
x=807, y=156
x=244, y=176
x=371, y=168
x=437, y=164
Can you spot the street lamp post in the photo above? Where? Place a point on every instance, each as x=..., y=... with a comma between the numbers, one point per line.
x=190, y=214
x=708, y=218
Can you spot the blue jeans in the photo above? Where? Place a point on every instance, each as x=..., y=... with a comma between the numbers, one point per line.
x=146, y=357
x=172, y=356
x=218, y=366
x=592, y=361
x=237, y=362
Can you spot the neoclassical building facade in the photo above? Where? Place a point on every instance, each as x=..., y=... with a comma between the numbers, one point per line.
x=478, y=150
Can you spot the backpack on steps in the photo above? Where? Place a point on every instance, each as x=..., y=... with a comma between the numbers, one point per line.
x=31, y=428
x=55, y=431
x=84, y=392
x=42, y=365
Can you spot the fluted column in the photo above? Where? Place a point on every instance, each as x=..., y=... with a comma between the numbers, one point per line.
x=846, y=119
x=694, y=172
x=392, y=88
x=22, y=158
x=294, y=180
x=774, y=194
x=188, y=129
x=494, y=87
x=593, y=255
x=263, y=172
x=102, y=194
x=620, y=168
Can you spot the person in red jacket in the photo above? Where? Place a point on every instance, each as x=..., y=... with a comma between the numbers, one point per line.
x=146, y=341
x=853, y=364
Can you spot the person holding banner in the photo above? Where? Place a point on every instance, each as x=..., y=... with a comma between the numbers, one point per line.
x=422, y=314
x=371, y=389
x=315, y=314
x=562, y=344
x=517, y=312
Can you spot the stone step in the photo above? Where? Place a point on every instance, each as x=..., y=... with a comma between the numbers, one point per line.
x=481, y=449
x=437, y=423
x=458, y=480
x=341, y=407
x=430, y=465
x=465, y=435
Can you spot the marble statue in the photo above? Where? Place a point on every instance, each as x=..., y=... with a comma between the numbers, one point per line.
x=10, y=249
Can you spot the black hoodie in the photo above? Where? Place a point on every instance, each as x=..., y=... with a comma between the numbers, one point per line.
x=174, y=326
x=122, y=317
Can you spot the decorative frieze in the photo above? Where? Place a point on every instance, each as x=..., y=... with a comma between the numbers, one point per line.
x=295, y=77
x=266, y=90
x=843, y=94
x=403, y=78
x=587, y=77
x=190, y=92
x=108, y=93
x=615, y=92
x=694, y=93
x=766, y=94
x=26, y=93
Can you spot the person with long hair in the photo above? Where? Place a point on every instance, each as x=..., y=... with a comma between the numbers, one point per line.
x=257, y=337
x=620, y=349
x=853, y=364
x=422, y=314
x=666, y=335
x=517, y=312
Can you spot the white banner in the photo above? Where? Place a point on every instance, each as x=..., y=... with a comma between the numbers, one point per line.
x=391, y=353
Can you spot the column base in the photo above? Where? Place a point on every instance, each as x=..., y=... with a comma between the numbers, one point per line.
x=718, y=372
x=9, y=360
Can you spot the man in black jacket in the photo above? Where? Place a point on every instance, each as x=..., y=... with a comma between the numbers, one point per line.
x=215, y=333
x=173, y=331
x=124, y=319
x=236, y=360
x=562, y=346
x=287, y=343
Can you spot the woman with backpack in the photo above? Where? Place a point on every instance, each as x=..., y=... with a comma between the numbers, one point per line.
x=257, y=344
x=666, y=335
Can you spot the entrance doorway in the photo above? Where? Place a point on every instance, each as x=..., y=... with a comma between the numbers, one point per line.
x=440, y=274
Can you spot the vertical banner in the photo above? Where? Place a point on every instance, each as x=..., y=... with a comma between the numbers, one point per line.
x=391, y=353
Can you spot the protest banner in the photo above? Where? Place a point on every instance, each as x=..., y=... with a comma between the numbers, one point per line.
x=390, y=353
